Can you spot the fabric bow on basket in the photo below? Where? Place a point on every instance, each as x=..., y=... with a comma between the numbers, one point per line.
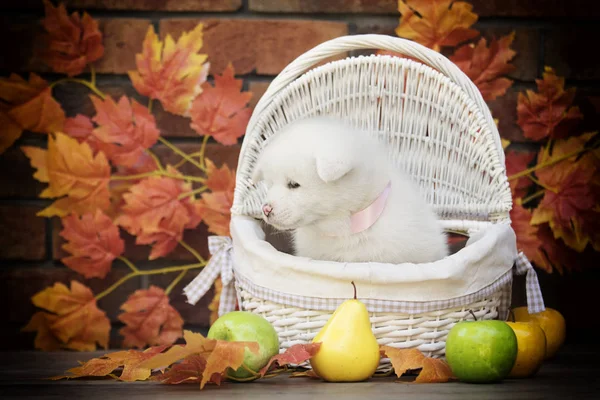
x=535, y=301
x=220, y=263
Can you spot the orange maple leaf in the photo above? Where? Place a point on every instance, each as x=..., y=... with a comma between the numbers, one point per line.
x=125, y=129
x=221, y=111
x=93, y=241
x=73, y=41
x=10, y=130
x=556, y=254
x=434, y=371
x=149, y=319
x=517, y=161
x=129, y=360
x=70, y=170
x=569, y=203
x=436, y=23
x=404, y=360
x=75, y=323
x=219, y=355
x=29, y=105
x=214, y=208
x=172, y=74
x=81, y=128
x=548, y=113
x=41, y=323
x=188, y=371
x=296, y=354
x=485, y=66
x=157, y=210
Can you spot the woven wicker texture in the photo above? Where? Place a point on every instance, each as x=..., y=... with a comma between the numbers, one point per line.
x=440, y=130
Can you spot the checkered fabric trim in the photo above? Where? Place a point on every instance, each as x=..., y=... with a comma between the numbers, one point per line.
x=373, y=305
x=220, y=263
x=535, y=301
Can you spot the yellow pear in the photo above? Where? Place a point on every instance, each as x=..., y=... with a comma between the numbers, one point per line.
x=349, y=351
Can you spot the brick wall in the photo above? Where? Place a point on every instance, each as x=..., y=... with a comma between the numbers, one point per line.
x=259, y=37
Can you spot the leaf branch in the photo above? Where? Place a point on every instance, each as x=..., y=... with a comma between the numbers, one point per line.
x=90, y=85
x=156, y=173
x=183, y=154
x=545, y=164
x=139, y=272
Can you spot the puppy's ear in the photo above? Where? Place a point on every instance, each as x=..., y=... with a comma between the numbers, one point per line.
x=331, y=167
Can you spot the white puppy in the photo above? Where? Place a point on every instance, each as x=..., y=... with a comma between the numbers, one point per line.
x=343, y=198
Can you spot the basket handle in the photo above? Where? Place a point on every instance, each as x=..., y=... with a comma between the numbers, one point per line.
x=375, y=41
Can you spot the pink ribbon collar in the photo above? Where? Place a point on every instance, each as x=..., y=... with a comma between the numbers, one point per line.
x=365, y=218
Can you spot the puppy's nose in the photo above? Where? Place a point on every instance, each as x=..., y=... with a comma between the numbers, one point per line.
x=267, y=209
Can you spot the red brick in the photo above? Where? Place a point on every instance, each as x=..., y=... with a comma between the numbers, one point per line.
x=505, y=110
x=568, y=51
x=527, y=45
x=123, y=39
x=197, y=314
x=142, y=5
x=330, y=6
x=484, y=8
x=19, y=183
x=19, y=55
x=23, y=234
x=257, y=89
x=536, y=8
x=265, y=46
x=20, y=284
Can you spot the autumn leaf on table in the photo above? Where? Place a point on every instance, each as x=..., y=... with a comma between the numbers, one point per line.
x=219, y=355
x=296, y=354
x=517, y=161
x=221, y=111
x=434, y=371
x=214, y=207
x=549, y=112
x=171, y=72
x=486, y=66
x=71, y=170
x=436, y=23
x=157, y=210
x=124, y=129
x=28, y=105
x=73, y=321
x=129, y=361
x=149, y=319
x=404, y=360
x=93, y=241
x=188, y=371
x=72, y=41
x=571, y=197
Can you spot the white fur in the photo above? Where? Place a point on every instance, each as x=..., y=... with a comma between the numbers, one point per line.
x=341, y=171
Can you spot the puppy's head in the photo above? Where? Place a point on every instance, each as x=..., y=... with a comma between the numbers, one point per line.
x=308, y=169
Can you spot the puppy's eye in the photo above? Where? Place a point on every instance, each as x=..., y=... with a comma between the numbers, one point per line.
x=293, y=185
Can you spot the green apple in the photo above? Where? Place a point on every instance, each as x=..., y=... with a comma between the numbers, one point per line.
x=244, y=326
x=481, y=351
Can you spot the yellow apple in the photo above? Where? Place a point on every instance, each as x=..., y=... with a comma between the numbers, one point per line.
x=531, y=344
x=552, y=323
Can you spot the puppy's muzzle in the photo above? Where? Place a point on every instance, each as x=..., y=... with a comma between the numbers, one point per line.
x=267, y=209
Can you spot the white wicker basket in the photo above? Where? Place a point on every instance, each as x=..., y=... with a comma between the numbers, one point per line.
x=443, y=133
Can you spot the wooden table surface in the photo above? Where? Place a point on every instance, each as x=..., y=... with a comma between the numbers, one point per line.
x=574, y=374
